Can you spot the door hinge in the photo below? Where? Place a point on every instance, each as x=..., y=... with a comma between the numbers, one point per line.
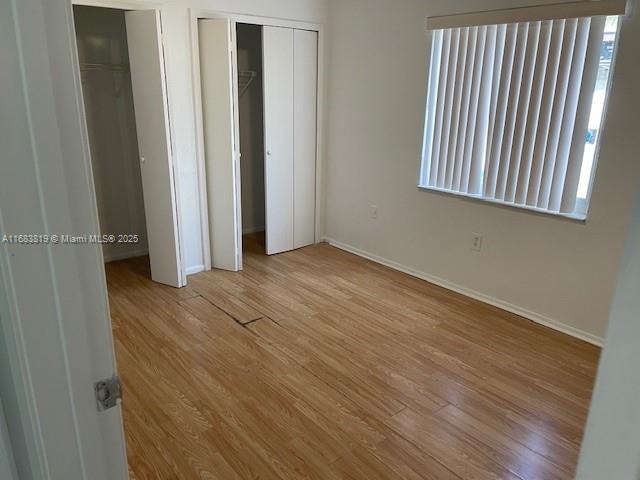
x=108, y=393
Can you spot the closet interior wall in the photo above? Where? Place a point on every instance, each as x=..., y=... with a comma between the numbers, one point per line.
x=108, y=100
x=251, y=119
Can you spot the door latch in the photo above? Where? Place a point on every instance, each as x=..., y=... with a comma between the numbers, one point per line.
x=108, y=393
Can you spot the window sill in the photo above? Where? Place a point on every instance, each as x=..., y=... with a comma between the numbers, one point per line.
x=576, y=217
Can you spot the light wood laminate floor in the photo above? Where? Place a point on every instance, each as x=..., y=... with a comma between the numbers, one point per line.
x=317, y=364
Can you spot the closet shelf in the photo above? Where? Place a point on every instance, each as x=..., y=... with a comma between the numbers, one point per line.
x=110, y=67
x=245, y=78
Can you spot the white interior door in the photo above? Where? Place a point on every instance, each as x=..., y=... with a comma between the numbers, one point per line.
x=152, y=121
x=278, y=137
x=219, y=104
x=57, y=338
x=305, y=88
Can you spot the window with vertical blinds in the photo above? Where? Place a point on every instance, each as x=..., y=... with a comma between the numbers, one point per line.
x=514, y=111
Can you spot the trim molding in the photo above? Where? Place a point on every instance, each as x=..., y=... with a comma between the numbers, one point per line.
x=496, y=302
x=573, y=9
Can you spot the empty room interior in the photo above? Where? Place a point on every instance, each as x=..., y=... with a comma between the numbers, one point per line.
x=319, y=239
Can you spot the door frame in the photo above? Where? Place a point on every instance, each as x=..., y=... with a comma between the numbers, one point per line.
x=139, y=5
x=195, y=14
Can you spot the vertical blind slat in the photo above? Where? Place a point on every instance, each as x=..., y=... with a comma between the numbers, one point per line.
x=501, y=36
x=512, y=111
x=457, y=103
x=555, y=130
x=549, y=92
x=511, y=35
x=442, y=87
x=473, y=109
x=472, y=39
x=484, y=112
x=569, y=118
x=589, y=79
x=522, y=126
x=432, y=99
x=448, y=113
x=533, y=119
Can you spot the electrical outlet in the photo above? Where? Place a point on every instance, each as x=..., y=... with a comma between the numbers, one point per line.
x=476, y=242
x=373, y=211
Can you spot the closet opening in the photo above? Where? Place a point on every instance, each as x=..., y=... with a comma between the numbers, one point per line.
x=121, y=67
x=111, y=124
x=259, y=96
x=251, y=128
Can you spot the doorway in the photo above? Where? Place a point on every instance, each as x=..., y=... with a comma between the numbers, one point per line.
x=251, y=126
x=259, y=136
x=108, y=100
x=122, y=70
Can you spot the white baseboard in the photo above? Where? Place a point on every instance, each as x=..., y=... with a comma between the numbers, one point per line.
x=194, y=269
x=114, y=257
x=250, y=230
x=496, y=302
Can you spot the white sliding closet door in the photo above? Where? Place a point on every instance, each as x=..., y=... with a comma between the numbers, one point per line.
x=219, y=104
x=152, y=121
x=305, y=100
x=278, y=138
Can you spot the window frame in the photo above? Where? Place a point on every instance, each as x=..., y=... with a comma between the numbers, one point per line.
x=581, y=211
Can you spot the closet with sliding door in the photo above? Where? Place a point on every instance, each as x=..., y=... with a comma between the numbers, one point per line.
x=259, y=122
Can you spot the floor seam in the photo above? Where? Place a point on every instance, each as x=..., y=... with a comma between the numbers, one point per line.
x=229, y=314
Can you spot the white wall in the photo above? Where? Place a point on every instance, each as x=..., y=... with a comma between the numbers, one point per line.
x=108, y=100
x=611, y=447
x=249, y=40
x=553, y=270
